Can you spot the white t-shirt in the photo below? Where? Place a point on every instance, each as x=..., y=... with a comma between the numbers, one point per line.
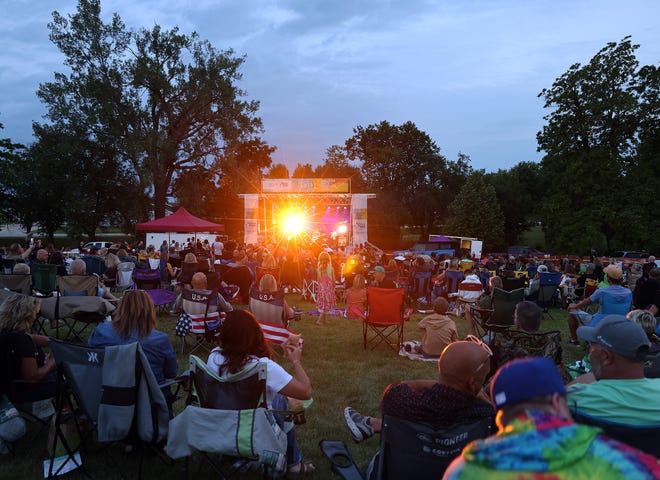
x=277, y=377
x=217, y=248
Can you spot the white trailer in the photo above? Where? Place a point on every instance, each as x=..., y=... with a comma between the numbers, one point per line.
x=473, y=245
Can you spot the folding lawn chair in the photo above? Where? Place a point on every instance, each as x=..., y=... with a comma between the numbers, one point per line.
x=511, y=344
x=201, y=308
x=643, y=437
x=235, y=405
x=43, y=279
x=77, y=321
x=95, y=265
x=268, y=306
x=549, y=284
x=18, y=283
x=500, y=316
x=124, y=276
x=384, y=318
x=409, y=449
x=114, y=392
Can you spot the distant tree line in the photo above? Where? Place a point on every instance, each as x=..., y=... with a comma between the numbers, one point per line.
x=143, y=121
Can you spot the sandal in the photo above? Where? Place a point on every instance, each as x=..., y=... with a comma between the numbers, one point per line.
x=305, y=468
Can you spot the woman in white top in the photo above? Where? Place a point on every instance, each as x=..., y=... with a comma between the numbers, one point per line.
x=241, y=343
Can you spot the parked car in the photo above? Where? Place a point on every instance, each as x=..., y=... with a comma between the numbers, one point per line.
x=626, y=255
x=98, y=245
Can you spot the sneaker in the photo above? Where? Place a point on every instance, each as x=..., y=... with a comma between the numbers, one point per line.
x=358, y=425
x=574, y=342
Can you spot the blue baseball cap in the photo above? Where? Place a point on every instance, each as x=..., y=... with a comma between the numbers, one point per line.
x=523, y=379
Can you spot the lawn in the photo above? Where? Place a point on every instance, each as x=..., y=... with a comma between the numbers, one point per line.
x=342, y=374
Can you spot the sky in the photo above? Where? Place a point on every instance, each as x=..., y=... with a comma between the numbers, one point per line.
x=468, y=73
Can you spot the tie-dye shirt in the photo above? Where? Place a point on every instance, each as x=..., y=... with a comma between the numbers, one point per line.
x=542, y=446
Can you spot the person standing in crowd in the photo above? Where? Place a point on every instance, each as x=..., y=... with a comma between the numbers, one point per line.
x=325, y=294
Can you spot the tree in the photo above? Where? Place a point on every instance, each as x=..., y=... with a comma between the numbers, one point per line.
x=592, y=139
x=475, y=212
x=337, y=165
x=303, y=171
x=519, y=193
x=404, y=166
x=279, y=170
x=167, y=102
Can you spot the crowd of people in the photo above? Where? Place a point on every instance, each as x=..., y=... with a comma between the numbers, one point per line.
x=525, y=401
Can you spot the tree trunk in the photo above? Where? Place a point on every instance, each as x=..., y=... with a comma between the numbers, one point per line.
x=160, y=199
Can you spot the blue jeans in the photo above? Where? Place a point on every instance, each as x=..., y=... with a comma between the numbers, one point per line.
x=293, y=456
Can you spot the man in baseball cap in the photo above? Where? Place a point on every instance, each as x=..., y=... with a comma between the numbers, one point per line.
x=381, y=278
x=537, y=437
x=613, y=299
x=617, y=390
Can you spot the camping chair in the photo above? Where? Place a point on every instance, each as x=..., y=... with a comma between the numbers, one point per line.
x=146, y=279
x=19, y=283
x=77, y=286
x=643, y=437
x=461, y=301
x=384, y=318
x=421, y=287
x=511, y=344
x=500, y=316
x=268, y=307
x=201, y=307
x=124, y=276
x=235, y=405
x=113, y=391
x=95, y=265
x=452, y=279
x=611, y=306
x=513, y=283
x=260, y=272
x=409, y=449
x=43, y=279
x=549, y=284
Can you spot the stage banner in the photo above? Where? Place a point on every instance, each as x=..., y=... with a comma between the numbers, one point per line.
x=251, y=218
x=306, y=185
x=359, y=218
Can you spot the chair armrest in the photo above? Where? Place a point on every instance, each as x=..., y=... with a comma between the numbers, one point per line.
x=340, y=458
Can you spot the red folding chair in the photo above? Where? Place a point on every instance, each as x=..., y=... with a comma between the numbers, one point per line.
x=384, y=318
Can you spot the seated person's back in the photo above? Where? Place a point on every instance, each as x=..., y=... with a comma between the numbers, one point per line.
x=268, y=303
x=135, y=321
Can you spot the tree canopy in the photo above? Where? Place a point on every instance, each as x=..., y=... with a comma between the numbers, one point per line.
x=599, y=142
x=160, y=102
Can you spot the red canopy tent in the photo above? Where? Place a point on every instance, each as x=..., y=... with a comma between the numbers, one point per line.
x=180, y=221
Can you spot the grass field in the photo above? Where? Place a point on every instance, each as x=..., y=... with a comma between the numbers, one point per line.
x=342, y=374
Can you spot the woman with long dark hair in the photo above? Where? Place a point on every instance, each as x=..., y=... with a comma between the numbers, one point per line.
x=241, y=343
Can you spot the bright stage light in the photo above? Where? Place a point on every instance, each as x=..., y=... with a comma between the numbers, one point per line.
x=293, y=223
x=342, y=229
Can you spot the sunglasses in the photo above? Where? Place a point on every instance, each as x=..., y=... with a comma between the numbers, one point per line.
x=482, y=344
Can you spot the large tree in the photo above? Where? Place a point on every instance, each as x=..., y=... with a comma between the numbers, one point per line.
x=475, y=212
x=592, y=145
x=165, y=101
x=519, y=193
x=403, y=165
